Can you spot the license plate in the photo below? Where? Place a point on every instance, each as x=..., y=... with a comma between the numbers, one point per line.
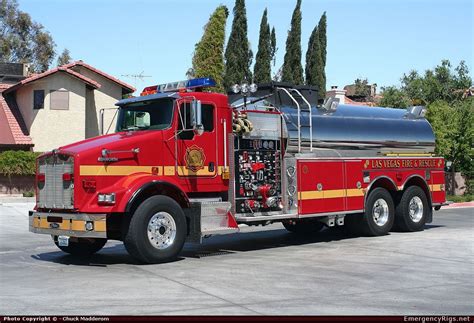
x=63, y=241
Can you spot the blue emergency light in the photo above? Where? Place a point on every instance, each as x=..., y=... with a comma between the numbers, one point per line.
x=186, y=85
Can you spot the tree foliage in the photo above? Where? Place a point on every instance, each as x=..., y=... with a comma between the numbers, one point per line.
x=453, y=125
x=322, y=26
x=273, y=44
x=292, y=70
x=64, y=58
x=314, y=60
x=361, y=87
x=394, y=98
x=238, y=55
x=23, y=40
x=316, y=57
x=208, y=60
x=262, y=68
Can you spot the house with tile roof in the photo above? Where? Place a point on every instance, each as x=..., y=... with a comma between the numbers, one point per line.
x=60, y=106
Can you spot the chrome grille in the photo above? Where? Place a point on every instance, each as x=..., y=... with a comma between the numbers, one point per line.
x=55, y=193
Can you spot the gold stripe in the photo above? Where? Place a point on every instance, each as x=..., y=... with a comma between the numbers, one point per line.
x=100, y=226
x=78, y=225
x=169, y=170
x=354, y=192
x=315, y=195
x=183, y=171
x=408, y=155
x=90, y=170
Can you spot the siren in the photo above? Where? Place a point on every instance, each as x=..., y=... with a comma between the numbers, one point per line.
x=187, y=85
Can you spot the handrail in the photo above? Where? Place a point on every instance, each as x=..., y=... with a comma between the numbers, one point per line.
x=299, y=116
x=310, y=119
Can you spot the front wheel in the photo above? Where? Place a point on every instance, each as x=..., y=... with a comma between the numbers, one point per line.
x=379, y=213
x=157, y=230
x=412, y=211
x=83, y=246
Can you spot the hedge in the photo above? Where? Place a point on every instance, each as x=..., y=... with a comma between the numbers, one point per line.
x=17, y=162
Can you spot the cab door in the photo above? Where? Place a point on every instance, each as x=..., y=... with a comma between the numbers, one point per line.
x=196, y=154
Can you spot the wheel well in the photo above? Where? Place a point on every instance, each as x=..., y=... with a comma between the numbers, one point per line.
x=420, y=182
x=386, y=183
x=156, y=188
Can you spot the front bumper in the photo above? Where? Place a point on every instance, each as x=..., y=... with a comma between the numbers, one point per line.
x=81, y=225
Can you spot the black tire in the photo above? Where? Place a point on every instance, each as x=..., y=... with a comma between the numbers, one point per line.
x=83, y=247
x=381, y=199
x=307, y=226
x=136, y=240
x=406, y=221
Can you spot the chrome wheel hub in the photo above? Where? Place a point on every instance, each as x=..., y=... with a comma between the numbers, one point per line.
x=415, y=209
x=161, y=230
x=380, y=212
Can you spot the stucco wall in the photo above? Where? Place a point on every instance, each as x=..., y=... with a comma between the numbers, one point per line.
x=104, y=97
x=48, y=128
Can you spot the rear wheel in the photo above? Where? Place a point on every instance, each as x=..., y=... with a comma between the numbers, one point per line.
x=83, y=246
x=412, y=211
x=157, y=231
x=379, y=213
x=306, y=226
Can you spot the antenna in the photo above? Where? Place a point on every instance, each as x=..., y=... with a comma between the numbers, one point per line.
x=139, y=76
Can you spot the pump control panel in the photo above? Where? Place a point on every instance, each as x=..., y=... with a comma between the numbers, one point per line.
x=257, y=175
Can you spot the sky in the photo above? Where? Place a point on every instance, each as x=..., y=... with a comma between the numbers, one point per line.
x=378, y=40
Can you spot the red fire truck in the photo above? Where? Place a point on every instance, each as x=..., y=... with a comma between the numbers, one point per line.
x=185, y=164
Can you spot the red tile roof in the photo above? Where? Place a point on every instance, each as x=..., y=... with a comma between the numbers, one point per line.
x=12, y=127
x=36, y=77
x=127, y=87
x=347, y=100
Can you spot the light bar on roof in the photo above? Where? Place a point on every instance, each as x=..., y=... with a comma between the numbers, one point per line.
x=186, y=85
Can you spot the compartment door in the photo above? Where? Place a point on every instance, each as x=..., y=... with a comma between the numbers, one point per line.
x=321, y=186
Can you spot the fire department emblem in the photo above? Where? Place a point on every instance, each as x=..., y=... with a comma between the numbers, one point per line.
x=194, y=158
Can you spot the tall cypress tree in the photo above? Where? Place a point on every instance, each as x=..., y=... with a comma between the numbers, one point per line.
x=208, y=60
x=273, y=43
x=322, y=44
x=262, y=68
x=292, y=70
x=238, y=56
x=313, y=59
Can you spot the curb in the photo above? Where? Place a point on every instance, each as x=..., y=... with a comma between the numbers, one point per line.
x=458, y=205
x=16, y=199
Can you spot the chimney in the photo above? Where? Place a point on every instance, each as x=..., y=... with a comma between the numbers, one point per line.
x=337, y=93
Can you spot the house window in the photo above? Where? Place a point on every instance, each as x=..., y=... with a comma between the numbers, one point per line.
x=59, y=100
x=38, y=99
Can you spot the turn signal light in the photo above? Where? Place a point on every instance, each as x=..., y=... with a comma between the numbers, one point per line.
x=67, y=177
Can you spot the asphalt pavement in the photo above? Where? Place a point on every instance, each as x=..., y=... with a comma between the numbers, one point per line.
x=260, y=271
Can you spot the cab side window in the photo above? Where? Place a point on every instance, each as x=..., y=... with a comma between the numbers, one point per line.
x=185, y=128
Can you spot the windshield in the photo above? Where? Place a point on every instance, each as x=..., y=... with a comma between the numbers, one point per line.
x=146, y=115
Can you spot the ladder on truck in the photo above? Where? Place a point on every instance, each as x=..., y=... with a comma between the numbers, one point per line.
x=302, y=105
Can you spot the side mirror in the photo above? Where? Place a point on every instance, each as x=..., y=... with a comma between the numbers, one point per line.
x=331, y=104
x=196, y=117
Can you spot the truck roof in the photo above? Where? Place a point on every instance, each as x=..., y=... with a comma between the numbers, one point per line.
x=155, y=96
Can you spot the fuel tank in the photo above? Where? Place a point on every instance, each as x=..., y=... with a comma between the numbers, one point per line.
x=358, y=131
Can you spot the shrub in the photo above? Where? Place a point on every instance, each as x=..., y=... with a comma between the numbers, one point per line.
x=17, y=163
x=28, y=194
